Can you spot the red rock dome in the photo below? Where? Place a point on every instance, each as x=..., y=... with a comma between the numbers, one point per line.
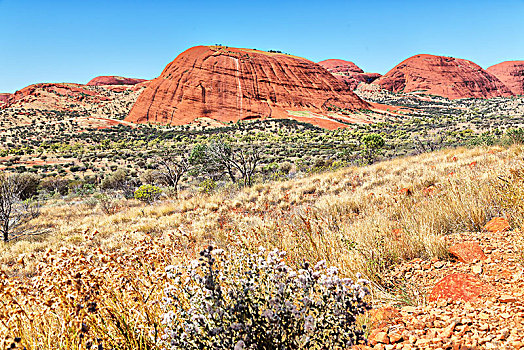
x=231, y=84
x=348, y=72
x=340, y=66
x=443, y=76
x=114, y=80
x=511, y=73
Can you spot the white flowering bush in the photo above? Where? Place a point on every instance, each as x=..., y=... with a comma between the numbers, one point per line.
x=256, y=301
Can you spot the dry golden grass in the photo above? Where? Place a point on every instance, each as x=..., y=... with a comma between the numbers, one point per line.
x=359, y=219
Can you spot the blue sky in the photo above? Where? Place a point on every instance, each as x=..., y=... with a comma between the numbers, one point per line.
x=73, y=41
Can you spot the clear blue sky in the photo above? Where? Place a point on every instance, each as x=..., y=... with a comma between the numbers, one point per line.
x=73, y=41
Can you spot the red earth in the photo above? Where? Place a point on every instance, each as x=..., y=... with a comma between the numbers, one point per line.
x=511, y=73
x=230, y=84
x=449, y=77
x=114, y=80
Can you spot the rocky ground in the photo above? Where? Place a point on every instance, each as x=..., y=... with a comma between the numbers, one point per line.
x=473, y=301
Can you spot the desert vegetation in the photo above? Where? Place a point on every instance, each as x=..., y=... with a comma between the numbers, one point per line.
x=111, y=270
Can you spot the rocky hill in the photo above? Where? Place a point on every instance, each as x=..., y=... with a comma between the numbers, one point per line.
x=231, y=84
x=4, y=98
x=114, y=80
x=53, y=102
x=511, y=73
x=348, y=72
x=448, y=77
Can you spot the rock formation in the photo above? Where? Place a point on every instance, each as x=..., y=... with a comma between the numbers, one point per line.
x=348, y=72
x=340, y=66
x=114, y=80
x=4, y=98
x=231, y=84
x=443, y=76
x=511, y=73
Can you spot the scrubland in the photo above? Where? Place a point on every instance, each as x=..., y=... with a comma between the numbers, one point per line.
x=97, y=278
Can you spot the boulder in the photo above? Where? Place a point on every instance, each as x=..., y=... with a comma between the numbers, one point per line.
x=459, y=286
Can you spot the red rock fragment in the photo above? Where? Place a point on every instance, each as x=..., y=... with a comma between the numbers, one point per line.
x=459, y=286
x=497, y=225
x=405, y=191
x=467, y=252
x=429, y=191
x=384, y=316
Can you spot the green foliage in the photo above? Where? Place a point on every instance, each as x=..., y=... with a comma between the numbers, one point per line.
x=147, y=193
x=207, y=186
x=373, y=141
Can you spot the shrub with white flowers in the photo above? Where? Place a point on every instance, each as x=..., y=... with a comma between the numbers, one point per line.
x=256, y=301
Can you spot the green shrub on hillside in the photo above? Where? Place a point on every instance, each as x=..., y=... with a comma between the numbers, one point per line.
x=147, y=193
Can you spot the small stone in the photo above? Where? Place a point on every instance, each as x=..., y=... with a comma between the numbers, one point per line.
x=448, y=331
x=422, y=342
x=497, y=225
x=467, y=252
x=395, y=337
x=382, y=337
x=507, y=299
x=504, y=334
x=409, y=309
x=476, y=269
x=439, y=264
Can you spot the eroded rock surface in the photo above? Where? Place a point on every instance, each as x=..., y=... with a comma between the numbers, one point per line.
x=511, y=73
x=231, y=84
x=448, y=77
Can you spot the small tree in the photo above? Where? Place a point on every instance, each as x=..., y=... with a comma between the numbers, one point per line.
x=220, y=158
x=372, y=145
x=15, y=213
x=173, y=169
x=122, y=181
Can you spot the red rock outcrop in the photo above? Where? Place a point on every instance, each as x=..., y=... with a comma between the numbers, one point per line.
x=114, y=80
x=231, y=84
x=511, y=73
x=449, y=77
x=348, y=72
x=4, y=98
x=53, y=95
x=340, y=66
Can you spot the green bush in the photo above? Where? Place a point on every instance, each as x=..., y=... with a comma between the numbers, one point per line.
x=147, y=193
x=207, y=186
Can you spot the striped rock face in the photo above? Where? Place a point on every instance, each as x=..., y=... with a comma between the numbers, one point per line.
x=449, y=77
x=511, y=73
x=231, y=84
